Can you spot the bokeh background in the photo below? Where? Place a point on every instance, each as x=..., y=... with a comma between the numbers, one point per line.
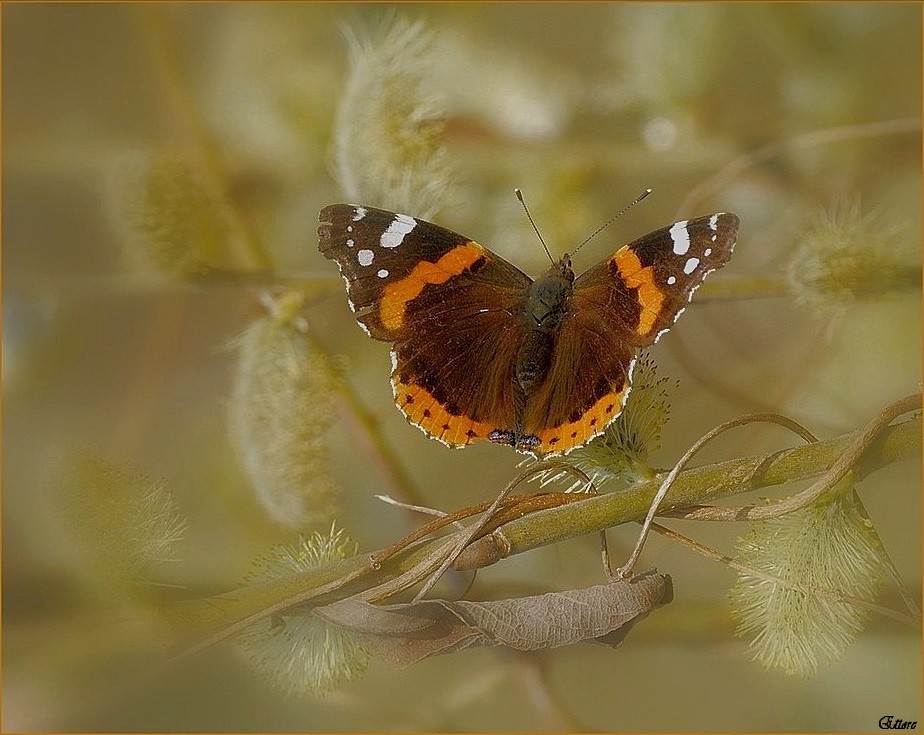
x=791, y=115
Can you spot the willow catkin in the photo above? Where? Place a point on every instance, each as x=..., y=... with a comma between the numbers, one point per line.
x=164, y=214
x=279, y=415
x=388, y=134
x=121, y=520
x=300, y=653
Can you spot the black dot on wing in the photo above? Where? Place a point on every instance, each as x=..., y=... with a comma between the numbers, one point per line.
x=554, y=440
x=408, y=399
x=445, y=427
x=609, y=408
x=573, y=434
x=471, y=434
x=426, y=413
x=593, y=421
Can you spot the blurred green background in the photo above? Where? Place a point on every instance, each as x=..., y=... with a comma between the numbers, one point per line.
x=582, y=106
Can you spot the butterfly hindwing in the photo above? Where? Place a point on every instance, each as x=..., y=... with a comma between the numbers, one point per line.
x=586, y=386
x=455, y=380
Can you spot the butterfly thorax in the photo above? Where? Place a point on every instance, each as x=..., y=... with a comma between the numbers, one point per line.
x=545, y=307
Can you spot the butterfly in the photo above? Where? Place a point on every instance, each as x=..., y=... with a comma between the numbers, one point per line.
x=481, y=351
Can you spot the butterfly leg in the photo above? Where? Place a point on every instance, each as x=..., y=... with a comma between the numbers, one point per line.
x=514, y=438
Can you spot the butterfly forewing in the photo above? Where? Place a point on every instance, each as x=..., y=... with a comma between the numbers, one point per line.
x=646, y=284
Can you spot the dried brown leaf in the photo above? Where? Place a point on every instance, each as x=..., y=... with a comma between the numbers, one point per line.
x=405, y=634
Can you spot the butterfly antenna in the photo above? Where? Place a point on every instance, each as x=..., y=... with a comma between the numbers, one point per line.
x=612, y=219
x=530, y=218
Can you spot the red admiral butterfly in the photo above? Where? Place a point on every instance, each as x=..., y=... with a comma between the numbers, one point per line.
x=482, y=351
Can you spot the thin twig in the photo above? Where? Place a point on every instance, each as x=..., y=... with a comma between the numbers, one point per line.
x=772, y=418
x=433, y=565
x=466, y=539
x=738, y=166
x=851, y=455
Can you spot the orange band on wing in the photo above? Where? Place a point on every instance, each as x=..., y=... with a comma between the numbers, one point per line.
x=423, y=410
x=642, y=279
x=592, y=422
x=396, y=296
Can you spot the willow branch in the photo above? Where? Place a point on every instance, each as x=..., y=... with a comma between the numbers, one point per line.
x=212, y=620
x=692, y=488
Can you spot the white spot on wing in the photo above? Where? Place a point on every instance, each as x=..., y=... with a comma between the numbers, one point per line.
x=359, y=214
x=400, y=226
x=382, y=273
x=690, y=265
x=708, y=252
x=689, y=299
x=671, y=280
x=680, y=236
x=350, y=242
x=714, y=222
x=365, y=257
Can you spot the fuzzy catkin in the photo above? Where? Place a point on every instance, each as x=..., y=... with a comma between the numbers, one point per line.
x=279, y=414
x=847, y=256
x=828, y=545
x=622, y=451
x=123, y=521
x=302, y=654
x=164, y=214
x=388, y=132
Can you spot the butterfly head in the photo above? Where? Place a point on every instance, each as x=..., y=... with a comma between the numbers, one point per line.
x=563, y=269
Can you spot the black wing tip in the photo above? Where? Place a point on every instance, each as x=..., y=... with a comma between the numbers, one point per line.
x=728, y=222
x=733, y=219
x=729, y=217
x=331, y=218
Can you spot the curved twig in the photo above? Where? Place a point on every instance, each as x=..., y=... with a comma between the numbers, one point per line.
x=772, y=418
